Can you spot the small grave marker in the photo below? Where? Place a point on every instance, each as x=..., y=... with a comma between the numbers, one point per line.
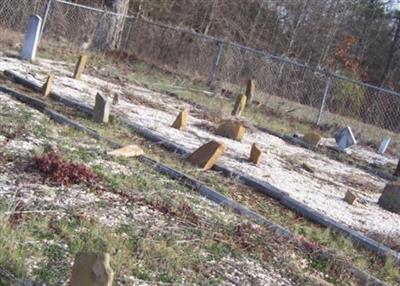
x=250, y=90
x=91, y=269
x=181, y=121
x=390, y=198
x=397, y=172
x=127, y=151
x=32, y=36
x=345, y=138
x=101, y=109
x=384, y=145
x=80, y=66
x=231, y=129
x=255, y=154
x=312, y=138
x=46, y=89
x=115, y=99
x=239, y=105
x=350, y=198
x=207, y=155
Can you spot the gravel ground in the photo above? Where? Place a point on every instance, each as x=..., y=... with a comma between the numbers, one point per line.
x=280, y=165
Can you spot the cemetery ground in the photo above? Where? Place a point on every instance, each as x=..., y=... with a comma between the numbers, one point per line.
x=383, y=269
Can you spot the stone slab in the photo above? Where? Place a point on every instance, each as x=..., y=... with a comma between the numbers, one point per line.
x=250, y=90
x=231, y=129
x=345, y=138
x=384, y=145
x=127, y=151
x=181, y=120
x=102, y=107
x=46, y=89
x=350, y=198
x=255, y=154
x=80, y=66
x=32, y=36
x=239, y=106
x=91, y=269
x=390, y=198
x=207, y=155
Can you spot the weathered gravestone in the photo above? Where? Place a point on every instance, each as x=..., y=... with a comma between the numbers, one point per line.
x=390, y=198
x=102, y=108
x=312, y=138
x=32, y=36
x=397, y=172
x=80, y=66
x=384, y=145
x=207, y=155
x=350, y=197
x=46, y=88
x=91, y=269
x=181, y=120
x=231, y=129
x=250, y=90
x=255, y=154
x=239, y=105
x=345, y=138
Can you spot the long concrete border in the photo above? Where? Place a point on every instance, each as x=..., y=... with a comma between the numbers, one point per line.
x=188, y=181
x=263, y=187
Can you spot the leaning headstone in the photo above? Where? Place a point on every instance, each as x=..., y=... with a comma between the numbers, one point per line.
x=239, y=105
x=384, y=145
x=255, y=154
x=32, y=36
x=345, y=138
x=181, y=121
x=250, y=90
x=207, y=155
x=390, y=198
x=231, y=129
x=102, y=108
x=46, y=88
x=127, y=151
x=350, y=198
x=80, y=66
x=91, y=269
x=312, y=138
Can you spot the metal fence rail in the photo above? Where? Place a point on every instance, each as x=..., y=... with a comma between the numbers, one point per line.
x=322, y=97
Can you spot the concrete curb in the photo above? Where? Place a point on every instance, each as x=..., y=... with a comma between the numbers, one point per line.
x=188, y=181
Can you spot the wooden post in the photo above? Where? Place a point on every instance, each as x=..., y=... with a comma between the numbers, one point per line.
x=46, y=89
x=80, y=66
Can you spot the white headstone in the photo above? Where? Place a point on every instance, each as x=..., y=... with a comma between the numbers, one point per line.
x=384, y=145
x=31, y=38
x=345, y=138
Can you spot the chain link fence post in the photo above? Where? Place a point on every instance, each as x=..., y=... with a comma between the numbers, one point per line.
x=46, y=15
x=216, y=63
x=326, y=93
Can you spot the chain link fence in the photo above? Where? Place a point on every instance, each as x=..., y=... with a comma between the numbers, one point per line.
x=310, y=94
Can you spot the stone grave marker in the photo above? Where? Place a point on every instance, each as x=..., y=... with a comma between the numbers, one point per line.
x=102, y=108
x=350, y=197
x=239, y=105
x=231, y=129
x=207, y=155
x=46, y=88
x=312, y=138
x=397, y=172
x=181, y=120
x=127, y=151
x=384, y=145
x=390, y=198
x=255, y=154
x=250, y=90
x=91, y=269
x=80, y=66
x=345, y=138
x=115, y=99
x=32, y=36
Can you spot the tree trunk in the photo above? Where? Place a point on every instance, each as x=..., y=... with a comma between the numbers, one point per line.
x=111, y=25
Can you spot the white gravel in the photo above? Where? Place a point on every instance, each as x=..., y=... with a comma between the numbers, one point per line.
x=280, y=165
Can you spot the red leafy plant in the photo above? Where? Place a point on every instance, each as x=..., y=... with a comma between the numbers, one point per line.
x=65, y=173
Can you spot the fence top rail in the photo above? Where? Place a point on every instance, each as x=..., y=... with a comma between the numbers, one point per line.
x=320, y=70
